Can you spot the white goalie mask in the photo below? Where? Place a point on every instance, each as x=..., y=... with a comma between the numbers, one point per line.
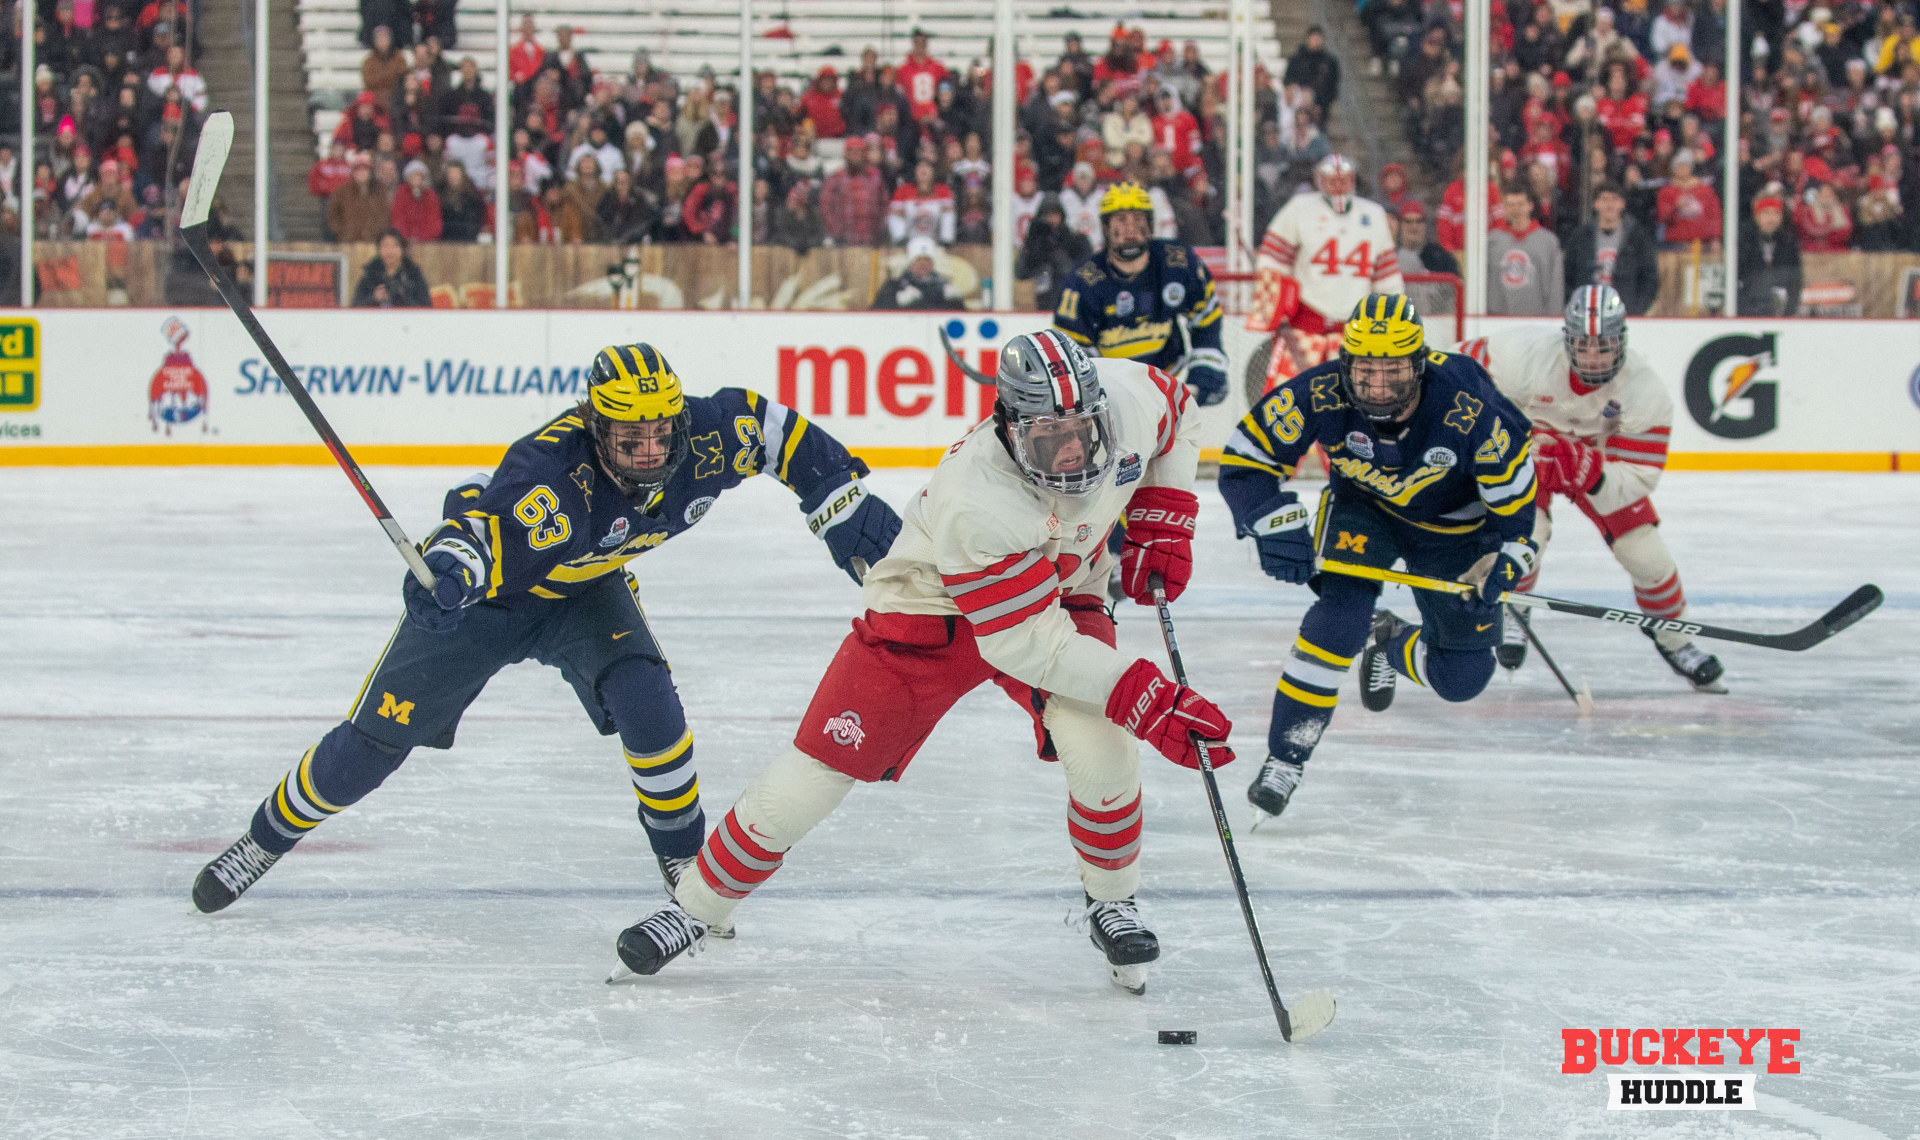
x=1334, y=178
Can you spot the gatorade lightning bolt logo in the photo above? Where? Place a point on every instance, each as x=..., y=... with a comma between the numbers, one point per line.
x=178, y=393
x=1748, y=405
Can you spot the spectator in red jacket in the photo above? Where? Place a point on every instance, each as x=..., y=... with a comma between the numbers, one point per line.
x=920, y=77
x=526, y=55
x=1622, y=110
x=821, y=103
x=1824, y=224
x=708, y=212
x=416, y=208
x=329, y=174
x=1688, y=207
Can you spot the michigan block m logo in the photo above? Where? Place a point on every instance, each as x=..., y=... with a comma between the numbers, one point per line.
x=393, y=710
x=1354, y=542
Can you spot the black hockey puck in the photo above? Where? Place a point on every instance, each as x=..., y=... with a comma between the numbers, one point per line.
x=1179, y=1037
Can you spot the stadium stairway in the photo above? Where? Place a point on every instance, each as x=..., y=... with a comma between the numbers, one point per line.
x=227, y=67
x=1366, y=123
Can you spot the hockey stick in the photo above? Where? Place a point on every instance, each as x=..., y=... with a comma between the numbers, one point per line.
x=1855, y=606
x=216, y=138
x=953, y=354
x=1313, y=1012
x=1580, y=699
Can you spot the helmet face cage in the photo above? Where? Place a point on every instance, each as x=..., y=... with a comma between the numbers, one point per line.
x=1050, y=397
x=1126, y=198
x=1596, y=324
x=1384, y=326
x=634, y=384
x=1333, y=177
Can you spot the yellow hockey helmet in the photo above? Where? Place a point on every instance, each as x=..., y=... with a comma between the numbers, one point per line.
x=1384, y=326
x=628, y=386
x=1125, y=196
x=629, y=383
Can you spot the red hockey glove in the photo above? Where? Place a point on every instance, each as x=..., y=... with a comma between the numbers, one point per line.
x=1566, y=466
x=1164, y=715
x=1158, y=540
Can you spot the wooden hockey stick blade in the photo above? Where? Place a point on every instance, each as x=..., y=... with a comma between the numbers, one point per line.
x=1585, y=699
x=953, y=354
x=209, y=159
x=1309, y=1015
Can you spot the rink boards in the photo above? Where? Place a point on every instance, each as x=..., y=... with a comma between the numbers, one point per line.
x=187, y=386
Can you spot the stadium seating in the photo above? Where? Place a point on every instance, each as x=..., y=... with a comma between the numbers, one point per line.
x=792, y=39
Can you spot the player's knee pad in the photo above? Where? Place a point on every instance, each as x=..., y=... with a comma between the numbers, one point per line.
x=788, y=797
x=639, y=695
x=1458, y=674
x=1643, y=554
x=1341, y=618
x=1098, y=757
x=347, y=764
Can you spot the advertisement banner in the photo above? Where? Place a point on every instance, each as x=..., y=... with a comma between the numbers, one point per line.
x=423, y=386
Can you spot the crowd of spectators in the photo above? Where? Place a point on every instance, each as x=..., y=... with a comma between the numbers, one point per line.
x=1630, y=100
x=116, y=108
x=878, y=156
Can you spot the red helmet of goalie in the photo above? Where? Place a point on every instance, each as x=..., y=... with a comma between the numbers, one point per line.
x=1334, y=177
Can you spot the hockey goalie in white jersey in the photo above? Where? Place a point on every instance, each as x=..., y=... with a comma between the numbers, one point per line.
x=998, y=575
x=1601, y=423
x=1323, y=252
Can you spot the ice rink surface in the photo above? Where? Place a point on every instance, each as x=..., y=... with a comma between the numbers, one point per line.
x=1468, y=880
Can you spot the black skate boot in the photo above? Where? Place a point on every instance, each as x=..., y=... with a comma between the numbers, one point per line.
x=671, y=870
x=228, y=877
x=1376, y=667
x=1274, y=786
x=659, y=938
x=1701, y=669
x=1115, y=927
x=1511, y=653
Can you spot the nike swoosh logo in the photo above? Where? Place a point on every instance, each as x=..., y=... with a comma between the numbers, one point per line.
x=752, y=830
x=1114, y=800
x=624, y=633
x=1483, y=628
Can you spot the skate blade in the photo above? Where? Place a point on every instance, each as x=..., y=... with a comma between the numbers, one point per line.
x=621, y=975
x=1310, y=1015
x=720, y=932
x=1132, y=979
x=1714, y=686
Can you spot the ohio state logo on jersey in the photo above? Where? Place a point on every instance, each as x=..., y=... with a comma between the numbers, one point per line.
x=845, y=729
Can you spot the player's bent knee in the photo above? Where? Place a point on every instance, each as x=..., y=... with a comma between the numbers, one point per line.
x=639, y=694
x=1098, y=755
x=1643, y=554
x=790, y=796
x=347, y=764
x=1459, y=675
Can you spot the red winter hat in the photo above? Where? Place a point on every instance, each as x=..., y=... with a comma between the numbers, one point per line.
x=1768, y=202
x=1412, y=210
x=1817, y=168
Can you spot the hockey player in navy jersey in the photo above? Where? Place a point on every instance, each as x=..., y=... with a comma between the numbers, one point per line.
x=1129, y=299
x=530, y=564
x=1428, y=463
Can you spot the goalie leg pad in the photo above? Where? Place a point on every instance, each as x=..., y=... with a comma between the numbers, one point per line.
x=334, y=775
x=639, y=695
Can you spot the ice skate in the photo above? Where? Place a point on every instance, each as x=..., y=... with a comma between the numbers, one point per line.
x=1115, y=927
x=1377, y=676
x=657, y=939
x=671, y=870
x=1273, y=787
x=1701, y=669
x=228, y=877
x=1511, y=653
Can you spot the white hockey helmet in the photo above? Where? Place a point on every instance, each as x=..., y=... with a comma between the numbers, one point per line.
x=1052, y=414
x=1596, y=331
x=1335, y=178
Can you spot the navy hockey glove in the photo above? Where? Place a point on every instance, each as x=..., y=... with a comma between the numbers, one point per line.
x=460, y=579
x=857, y=525
x=1495, y=574
x=1282, y=534
x=1207, y=376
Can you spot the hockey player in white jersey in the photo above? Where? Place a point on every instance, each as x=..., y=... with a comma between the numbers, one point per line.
x=1323, y=252
x=1601, y=420
x=997, y=576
